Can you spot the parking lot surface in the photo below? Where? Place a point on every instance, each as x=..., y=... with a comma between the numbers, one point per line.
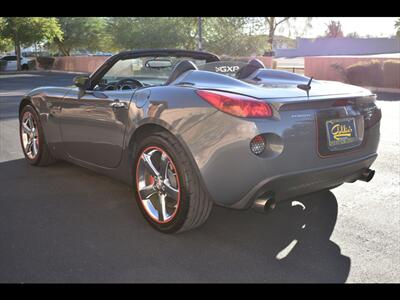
x=63, y=223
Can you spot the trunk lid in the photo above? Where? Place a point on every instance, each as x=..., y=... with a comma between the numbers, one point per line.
x=342, y=114
x=277, y=87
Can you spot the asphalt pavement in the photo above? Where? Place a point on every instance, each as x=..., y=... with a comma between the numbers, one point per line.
x=63, y=223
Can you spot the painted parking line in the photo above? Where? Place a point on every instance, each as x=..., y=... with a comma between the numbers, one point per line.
x=13, y=93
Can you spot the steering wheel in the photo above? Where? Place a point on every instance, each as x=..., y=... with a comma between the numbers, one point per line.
x=128, y=83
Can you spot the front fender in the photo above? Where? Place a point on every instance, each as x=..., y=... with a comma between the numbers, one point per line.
x=47, y=102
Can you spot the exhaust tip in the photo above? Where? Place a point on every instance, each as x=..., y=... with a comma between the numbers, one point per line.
x=367, y=175
x=264, y=204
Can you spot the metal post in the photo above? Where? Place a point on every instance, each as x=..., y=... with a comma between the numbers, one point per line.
x=200, y=28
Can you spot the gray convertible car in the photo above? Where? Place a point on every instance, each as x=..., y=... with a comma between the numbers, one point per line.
x=188, y=131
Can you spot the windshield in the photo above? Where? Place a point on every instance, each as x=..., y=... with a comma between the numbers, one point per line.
x=148, y=70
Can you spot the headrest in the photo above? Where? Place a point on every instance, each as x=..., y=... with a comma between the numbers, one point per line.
x=249, y=69
x=180, y=68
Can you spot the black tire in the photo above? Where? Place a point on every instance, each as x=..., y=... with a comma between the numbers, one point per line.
x=25, y=67
x=195, y=205
x=43, y=157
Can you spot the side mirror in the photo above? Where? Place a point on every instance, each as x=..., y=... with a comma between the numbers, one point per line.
x=81, y=81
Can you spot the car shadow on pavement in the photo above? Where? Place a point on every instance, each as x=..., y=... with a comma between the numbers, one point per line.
x=63, y=223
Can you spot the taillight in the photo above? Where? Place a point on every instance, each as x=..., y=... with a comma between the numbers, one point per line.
x=237, y=105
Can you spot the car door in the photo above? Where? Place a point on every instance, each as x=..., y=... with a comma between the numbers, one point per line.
x=93, y=125
x=11, y=62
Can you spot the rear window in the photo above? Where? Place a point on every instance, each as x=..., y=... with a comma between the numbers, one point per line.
x=9, y=58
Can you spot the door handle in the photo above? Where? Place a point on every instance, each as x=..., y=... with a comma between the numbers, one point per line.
x=118, y=104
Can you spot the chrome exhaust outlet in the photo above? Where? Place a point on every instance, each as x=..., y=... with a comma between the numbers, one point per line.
x=264, y=204
x=367, y=175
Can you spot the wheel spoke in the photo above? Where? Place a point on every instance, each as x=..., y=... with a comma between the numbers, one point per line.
x=30, y=121
x=147, y=192
x=153, y=198
x=28, y=146
x=25, y=128
x=35, y=149
x=171, y=191
x=162, y=213
x=164, y=165
x=149, y=165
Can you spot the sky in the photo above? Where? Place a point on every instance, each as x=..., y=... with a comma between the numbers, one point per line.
x=374, y=26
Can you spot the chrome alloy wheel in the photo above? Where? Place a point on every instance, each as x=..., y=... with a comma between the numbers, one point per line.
x=30, y=135
x=157, y=183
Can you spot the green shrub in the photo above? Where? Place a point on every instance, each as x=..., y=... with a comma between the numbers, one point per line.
x=45, y=62
x=391, y=73
x=365, y=73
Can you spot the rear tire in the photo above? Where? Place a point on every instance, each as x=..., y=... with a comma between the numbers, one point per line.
x=41, y=156
x=191, y=207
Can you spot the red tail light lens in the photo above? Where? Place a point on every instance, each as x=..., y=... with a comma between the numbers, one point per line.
x=237, y=105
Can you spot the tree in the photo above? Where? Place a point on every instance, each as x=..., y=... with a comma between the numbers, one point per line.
x=353, y=35
x=5, y=43
x=78, y=33
x=397, y=27
x=334, y=29
x=26, y=31
x=274, y=24
x=223, y=35
x=151, y=32
x=232, y=36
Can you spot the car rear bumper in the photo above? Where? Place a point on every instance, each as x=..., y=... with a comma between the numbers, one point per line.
x=286, y=186
x=235, y=177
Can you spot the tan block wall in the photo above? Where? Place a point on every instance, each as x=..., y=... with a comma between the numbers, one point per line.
x=267, y=60
x=78, y=63
x=320, y=67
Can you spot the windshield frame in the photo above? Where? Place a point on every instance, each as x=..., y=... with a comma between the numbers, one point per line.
x=98, y=74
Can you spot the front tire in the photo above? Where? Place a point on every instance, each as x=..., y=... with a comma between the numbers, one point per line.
x=32, y=138
x=168, y=190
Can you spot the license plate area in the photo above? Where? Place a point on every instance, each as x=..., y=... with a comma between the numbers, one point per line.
x=341, y=133
x=339, y=130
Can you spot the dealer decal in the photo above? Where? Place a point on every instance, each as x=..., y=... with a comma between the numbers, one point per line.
x=338, y=131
